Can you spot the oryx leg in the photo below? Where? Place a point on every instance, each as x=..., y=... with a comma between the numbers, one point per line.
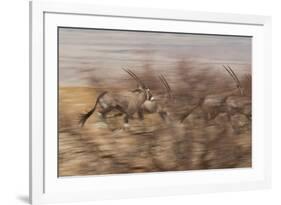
x=126, y=121
x=140, y=114
x=163, y=115
x=126, y=117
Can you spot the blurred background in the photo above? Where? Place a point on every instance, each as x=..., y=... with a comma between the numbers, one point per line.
x=209, y=124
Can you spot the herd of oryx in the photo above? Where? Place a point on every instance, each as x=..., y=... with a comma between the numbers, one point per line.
x=140, y=100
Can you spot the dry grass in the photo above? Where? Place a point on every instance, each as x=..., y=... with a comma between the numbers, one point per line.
x=103, y=147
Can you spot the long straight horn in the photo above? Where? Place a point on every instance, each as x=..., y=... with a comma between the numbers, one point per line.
x=237, y=79
x=234, y=77
x=166, y=85
x=135, y=77
x=132, y=75
x=230, y=73
x=138, y=79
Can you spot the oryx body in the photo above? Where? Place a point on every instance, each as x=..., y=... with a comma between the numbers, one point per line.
x=127, y=102
x=228, y=102
x=234, y=100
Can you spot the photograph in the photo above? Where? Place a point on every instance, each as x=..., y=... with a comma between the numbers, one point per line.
x=134, y=101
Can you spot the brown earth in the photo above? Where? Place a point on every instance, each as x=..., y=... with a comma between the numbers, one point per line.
x=104, y=147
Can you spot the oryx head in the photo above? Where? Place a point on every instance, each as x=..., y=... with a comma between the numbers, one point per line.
x=235, y=78
x=142, y=88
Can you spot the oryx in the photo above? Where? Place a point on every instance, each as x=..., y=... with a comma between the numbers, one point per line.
x=127, y=102
x=225, y=102
x=154, y=105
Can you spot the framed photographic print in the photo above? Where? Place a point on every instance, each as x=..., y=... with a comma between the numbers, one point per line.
x=129, y=102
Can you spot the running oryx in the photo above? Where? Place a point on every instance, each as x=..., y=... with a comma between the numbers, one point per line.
x=238, y=99
x=154, y=105
x=126, y=102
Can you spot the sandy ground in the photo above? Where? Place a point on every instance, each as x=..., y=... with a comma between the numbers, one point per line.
x=103, y=146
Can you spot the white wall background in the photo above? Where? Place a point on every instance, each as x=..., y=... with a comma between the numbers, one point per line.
x=14, y=100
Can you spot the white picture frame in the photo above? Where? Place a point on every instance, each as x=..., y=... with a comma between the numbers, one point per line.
x=45, y=187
